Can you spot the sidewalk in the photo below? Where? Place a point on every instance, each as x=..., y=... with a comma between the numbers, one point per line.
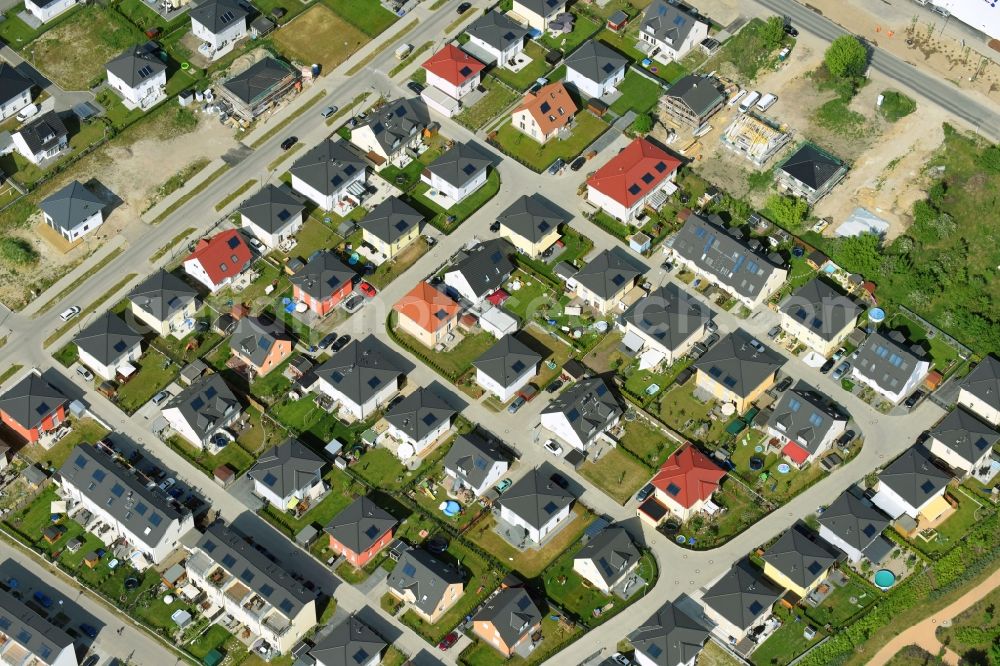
x=69, y=282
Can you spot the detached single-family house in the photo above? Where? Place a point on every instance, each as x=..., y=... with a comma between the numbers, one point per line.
x=889, y=368
x=481, y=270
x=350, y=643
x=686, y=482
x=360, y=531
x=805, y=423
x=73, y=211
x=545, y=113
x=31, y=638
x=979, y=392
x=738, y=602
x=532, y=223
x=273, y=215
x=819, y=316
x=506, y=367
x=362, y=376
x=607, y=559
x=799, y=560
x=913, y=485
x=642, y=174
x=419, y=420
x=427, y=315
x=855, y=526
x=605, y=280
x=595, y=70
x=459, y=172
x=453, y=71
x=219, y=24
x=288, y=474
x=533, y=508
x=670, y=637
x=139, y=75
x=538, y=14
x=664, y=325
x=475, y=462
x=42, y=139
x=165, y=303
x=426, y=584
x=738, y=369
x=669, y=31
x=693, y=100
x=219, y=260
x=495, y=38
x=203, y=408
x=107, y=344
x=392, y=129
x=257, y=89
x=507, y=621
x=964, y=442
x=810, y=173
x=33, y=407
x=323, y=283
x=391, y=227
x=581, y=414
x=739, y=265
x=331, y=175
x=46, y=10
x=15, y=91
x=260, y=345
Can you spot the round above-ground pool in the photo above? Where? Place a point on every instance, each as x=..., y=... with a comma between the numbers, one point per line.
x=450, y=508
x=884, y=579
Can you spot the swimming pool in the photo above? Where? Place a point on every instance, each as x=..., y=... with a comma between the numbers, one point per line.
x=884, y=579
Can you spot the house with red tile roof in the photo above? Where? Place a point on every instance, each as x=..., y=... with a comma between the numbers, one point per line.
x=686, y=482
x=641, y=175
x=218, y=260
x=543, y=114
x=453, y=71
x=427, y=314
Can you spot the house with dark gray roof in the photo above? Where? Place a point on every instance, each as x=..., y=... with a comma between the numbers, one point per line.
x=581, y=414
x=670, y=637
x=390, y=227
x=979, y=392
x=165, y=303
x=810, y=173
x=479, y=271
x=360, y=531
x=965, y=443
x=41, y=139
x=33, y=406
x=459, y=172
x=739, y=601
x=15, y=90
x=669, y=31
x=261, y=345
x=350, y=643
x=494, y=37
x=362, y=376
x=854, y=525
x=259, y=88
x=693, y=100
x=533, y=509
x=139, y=75
x=123, y=499
x=256, y=591
x=738, y=369
x=538, y=14
x=29, y=638
x=475, y=462
x=73, y=211
x=605, y=280
x=220, y=24
x=889, y=366
x=201, y=410
x=724, y=256
x=805, y=423
x=819, y=315
x=426, y=584
x=323, y=282
x=665, y=324
x=331, y=175
x=272, y=214
x=288, y=474
x=506, y=367
x=532, y=223
x=107, y=345
x=419, y=420
x=507, y=621
x=913, y=485
x=607, y=559
x=799, y=560
x=391, y=129
x=595, y=70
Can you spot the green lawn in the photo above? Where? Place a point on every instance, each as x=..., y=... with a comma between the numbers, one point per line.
x=555, y=637
x=213, y=638
x=156, y=371
x=303, y=417
x=498, y=98
x=639, y=94
x=586, y=129
x=742, y=511
x=342, y=491
x=553, y=350
x=523, y=79
x=533, y=297
x=975, y=628
x=955, y=528
x=67, y=355
x=684, y=413
x=639, y=381
x=233, y=455
x=382, y=469
x=777, y=487
x=85, y=431
x=449, y=220
x=408, y=177
x=457, y=360
x=370, y=18
x=584, y=28
x=392, y=269
x=943, y=355
x=786, y=643
x=837, y=608
x=315, y=235
x=617, y=474
x=611, y=225
x=647, y=442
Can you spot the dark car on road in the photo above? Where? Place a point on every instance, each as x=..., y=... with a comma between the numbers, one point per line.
x=464, y=7
x=554, y=386
x=784, y=384
x=578, y=163
x=644, y=492
x=415, y=87
x=289, y=142
x=340, y=343
x=913, y=399
x=448, y=641
x=790, y=30
x=826, y=367
x=88, y=630
x=327, y=340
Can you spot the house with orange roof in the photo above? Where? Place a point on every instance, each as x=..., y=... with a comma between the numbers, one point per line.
x=453, y=71
x=686, y=482
x=641, y=175
x=218, y=260
x=427, y=315
x=545, y=113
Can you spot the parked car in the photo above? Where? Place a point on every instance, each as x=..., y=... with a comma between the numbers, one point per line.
x=711, y=326
x=367, y=289
x=43, y=600
x=710, y=339
x=167, y=484
x=463, y=7
x=840, y=371
x=88, y=630
x=620, y=659
x=554, y=386
x=448, y=641
x=517, y=404
x=846, y=438
x=329, y=111
x=289, y=142
x=160, y=397
x=578, y=163
x=92, y=660
x=644, y=492
x=557, y=166
x=354, y=302
x=257, y=245
x=27, y=112
x=825, y=368
x=85, y=373
x=784, y=385
x=327, y=340
x=415, y=87
x=340, y=343
x=551, y=446
x=69, y=312
x=495, y=227
x=502, y=487
x=773, y=333
x=914, y=399
x=790, y=30
x=697, y=351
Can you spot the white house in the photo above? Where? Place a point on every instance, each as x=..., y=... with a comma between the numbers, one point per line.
x=107, y=345
x=582, y=413
x=350, y=643
x=670, y=637
x=855, y=526
x=73, y=211
x=805, y=424
x=506, y=367
x=391, y=130
x=331, y=175
x=480, y=270
x=459, y=172
x=964, y=442
x=220, y=24
x=534, y=507
x=670, y=31
x=538, y=14
x=595, y=69
x=45, y=11
x=201, y=410
x=607, y=560
x=913, y=485
x=361, y=377
x=419, y=420
x=139, y=76
x=642, y=174
x=28, y=637
x=887, y=367
x=288, y=474
x=475, y=462
x=495, y=38
x=219, y=260
x=272, y=215
x=453, y=71
x=738, y=602
x=664, y=325
x=980, y=391
x=42, y=139
x=15, y=91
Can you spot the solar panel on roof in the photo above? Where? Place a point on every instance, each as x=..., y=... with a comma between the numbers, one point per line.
x=647, y=178
x=155, y=520
x=869, y=530
x=371, y=532
x=608, y=67
x=544, y=226
x=145, y=71
x=429, y=419
x=117, y=490
x=141, y=509
x=729, y=382
x=573, y=414
x=43, y=408
x=208, y=546
x=654, y=650
x=816, y=420
x=523, y=602
x=409, y=569
x=228, y=560
x=465, y=71
x=550, y=508
x=227, y=17
x=284, y=214
x=80, y=462
x=601, y=389
x=715, y=371
x=479, y=463
x=544, y=108
x=814, y=568
x=266, y=590
x=269, y=479
x=618, y=280
x=756, y=607
x=673, y=489
x=794, y=404
x=286, y=606
x=469, y=169
x=247, y=576
x=361, y=656
x=120, y=346
x=24, y=636
x=927, y=486
x=517, y=366
x=350, y=169
x=679, y=21
x=4, y=622
x=401, y=225
x=233, y=242
x=634, y=189
x=374, y=382
x=660, y=167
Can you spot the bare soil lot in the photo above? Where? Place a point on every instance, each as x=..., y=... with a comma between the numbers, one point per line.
x=320, y=36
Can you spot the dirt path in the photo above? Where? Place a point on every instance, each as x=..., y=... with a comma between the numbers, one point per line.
x=923, y=634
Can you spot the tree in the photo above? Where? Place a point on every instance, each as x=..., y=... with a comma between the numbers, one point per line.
x=990, y=159
x=846, y=57
x=773, y=31
x=789, y=212
x=643, y=124
x=17, y=251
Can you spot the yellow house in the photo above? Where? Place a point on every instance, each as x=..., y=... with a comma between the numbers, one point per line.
x=427, y=315
x=738, y=369
x=538, y=13
x=799, y=560
x=390, y=227
x=606, y=278
x=427, y=585
x=532, y=224
x=165, y=303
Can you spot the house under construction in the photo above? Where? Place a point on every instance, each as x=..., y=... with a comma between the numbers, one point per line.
x=259, y=88
x=754, y=138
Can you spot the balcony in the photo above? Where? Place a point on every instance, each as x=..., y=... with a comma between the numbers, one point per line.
x=237, y=593
x=277, y=623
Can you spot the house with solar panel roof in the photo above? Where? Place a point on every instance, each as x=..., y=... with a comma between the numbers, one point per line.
x=475, y=462
x=108, y=345
x=220, y=24
x=605, y=280
x=459, y=172
x=799, y=560
x=507, y=621
x=33, y=407
x=331, y=175
x=201, y=410
x=889, y=366
x=738, y=370
x=854, y=525
x=362, y=377
x=669, y=31
x=670, y=637
x=737, y=603
x=532, y=223
x=428, y=586
x=360, y=531
x=581, y=414
x=810, y=173
x=288, y=474
x=506, y=367
x=350, y=643
x=27, y=637
x=272, y=214
x=418, y=420
x=532, y=509
x=805, y=423
x=139, y=75
x=595, y=69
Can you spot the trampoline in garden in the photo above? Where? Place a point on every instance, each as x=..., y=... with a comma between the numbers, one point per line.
x=131, y=583
x=756, y=463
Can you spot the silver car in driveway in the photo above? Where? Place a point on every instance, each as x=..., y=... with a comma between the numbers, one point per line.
x=840, y=371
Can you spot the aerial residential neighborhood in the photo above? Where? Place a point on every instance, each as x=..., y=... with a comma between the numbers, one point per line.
x=413, y=332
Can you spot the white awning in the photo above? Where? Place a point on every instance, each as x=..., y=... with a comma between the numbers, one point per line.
x=632, y=341
x=890, y=503
x=126, y=369
x=650, y=358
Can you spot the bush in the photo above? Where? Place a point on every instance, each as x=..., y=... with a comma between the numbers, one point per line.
x=772, y=33
x=789, y=212
x=896, y=105
x=989, y=159
x=846, y=57
x=17, y=251
x=643, y=124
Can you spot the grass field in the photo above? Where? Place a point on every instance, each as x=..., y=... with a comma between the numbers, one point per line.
x=155, y=373
x=498, y=97
x=523, y=79
x=584, y=27
x=647, y=442
x=368, y=17
x=638, y=94
x=617, y=474
x=538, y=156
x=786, y=643
x=311, y=39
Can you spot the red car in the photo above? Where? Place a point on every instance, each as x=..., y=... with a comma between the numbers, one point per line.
x=448, y=641
x=367, y=289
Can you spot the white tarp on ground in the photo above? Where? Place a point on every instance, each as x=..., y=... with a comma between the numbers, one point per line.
x=862, y=221
x=497, y=322
x=650, y=359
x=814, y=360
